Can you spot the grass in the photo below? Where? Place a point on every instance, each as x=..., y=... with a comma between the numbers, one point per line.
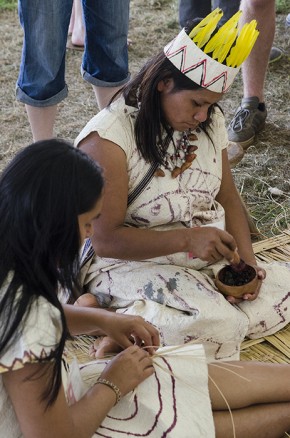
x=8, y=4
x=265, y=164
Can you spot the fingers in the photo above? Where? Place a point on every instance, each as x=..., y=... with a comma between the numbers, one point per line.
x=233, y=300
x=261, y=273
x=129, y=368
x=144, y=359
x=147, y=336
x=246, y=297
x=236, y=258
x=230, y=255
x=217, y=244
x=253, y=296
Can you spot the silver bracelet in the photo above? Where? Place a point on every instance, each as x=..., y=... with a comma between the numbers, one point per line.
x=112, y=386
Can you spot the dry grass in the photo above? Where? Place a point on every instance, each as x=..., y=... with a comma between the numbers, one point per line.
x=153, y=23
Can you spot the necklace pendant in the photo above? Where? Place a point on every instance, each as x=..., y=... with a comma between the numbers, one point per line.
x=159, y=172
x=175, y=172
x=185, y=166
x=191, y=148
x=189, y=158
x=192, y=137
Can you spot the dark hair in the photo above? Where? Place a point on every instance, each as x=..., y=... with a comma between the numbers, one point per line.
x=150, y=122
x=42, y=192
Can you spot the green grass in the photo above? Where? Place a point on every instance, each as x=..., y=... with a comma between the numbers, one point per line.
x=8, y=4
x=282, y=6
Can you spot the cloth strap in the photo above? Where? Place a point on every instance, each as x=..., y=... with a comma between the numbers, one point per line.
x=88, y=251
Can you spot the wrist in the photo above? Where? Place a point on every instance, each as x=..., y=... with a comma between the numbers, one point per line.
x=112, y=386
x=190, y=236
x=185, y=240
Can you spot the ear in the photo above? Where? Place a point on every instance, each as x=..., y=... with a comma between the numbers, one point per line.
x=165, y=84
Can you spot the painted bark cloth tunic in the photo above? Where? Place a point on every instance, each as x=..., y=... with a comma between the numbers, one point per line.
x=177, y=293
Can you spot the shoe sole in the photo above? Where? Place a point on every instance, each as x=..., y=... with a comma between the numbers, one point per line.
x=245, y=144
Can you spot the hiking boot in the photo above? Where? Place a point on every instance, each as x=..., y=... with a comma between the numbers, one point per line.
x=275, y=55
x=247, y=121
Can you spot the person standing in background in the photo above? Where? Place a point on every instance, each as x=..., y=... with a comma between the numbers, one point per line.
x=250, y=117
x=41, y=83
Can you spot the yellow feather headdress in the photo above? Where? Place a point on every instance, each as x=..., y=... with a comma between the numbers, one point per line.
x=211, y=58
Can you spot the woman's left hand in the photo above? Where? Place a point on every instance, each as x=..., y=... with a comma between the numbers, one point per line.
x=128, y=330
x=250, y=296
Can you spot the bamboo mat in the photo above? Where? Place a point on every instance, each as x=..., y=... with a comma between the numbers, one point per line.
x=79, y=347
x=274, y=348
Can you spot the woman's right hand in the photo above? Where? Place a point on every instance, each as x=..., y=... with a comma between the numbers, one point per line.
x=211, y=244
x=129, y=368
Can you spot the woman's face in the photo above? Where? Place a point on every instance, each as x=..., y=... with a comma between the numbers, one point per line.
x=85, y=220
x=185, y=109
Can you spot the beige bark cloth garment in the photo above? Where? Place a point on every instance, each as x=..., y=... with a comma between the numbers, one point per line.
x=176, y=293
x=39, y=333
x=173, y=403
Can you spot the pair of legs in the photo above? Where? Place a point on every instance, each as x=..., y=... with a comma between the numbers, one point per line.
x=41, y=82
x=251, y=115
x=258, y=394
x=260, y=405
x=189, y=9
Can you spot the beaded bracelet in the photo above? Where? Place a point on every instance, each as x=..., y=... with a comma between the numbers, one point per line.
x=112, y=386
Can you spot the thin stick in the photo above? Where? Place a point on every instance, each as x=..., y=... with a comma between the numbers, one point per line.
x=228, y=406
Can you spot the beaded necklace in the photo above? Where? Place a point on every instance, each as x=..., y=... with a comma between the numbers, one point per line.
x=183, y=150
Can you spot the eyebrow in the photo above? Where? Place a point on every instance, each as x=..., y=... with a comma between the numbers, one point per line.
x=202, y=102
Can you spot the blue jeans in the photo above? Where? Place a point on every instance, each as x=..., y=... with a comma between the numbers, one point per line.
x=41, y=80
x=189, y=9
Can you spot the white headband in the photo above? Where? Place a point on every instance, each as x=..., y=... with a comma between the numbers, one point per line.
x=198, y=66
x=227, y=47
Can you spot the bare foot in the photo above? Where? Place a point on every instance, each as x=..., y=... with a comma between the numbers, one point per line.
x=104, y=346
x=87, y=300
x=78, y=37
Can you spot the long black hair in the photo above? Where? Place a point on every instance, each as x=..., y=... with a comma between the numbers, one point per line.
x=42, y=192
x=142, y=91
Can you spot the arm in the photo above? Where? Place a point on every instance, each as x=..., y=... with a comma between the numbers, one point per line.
x=121, y=328
x=236, y=221
x=126, y=370
x=112, y=239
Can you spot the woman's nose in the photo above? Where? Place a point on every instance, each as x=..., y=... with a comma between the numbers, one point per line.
x=201, y=114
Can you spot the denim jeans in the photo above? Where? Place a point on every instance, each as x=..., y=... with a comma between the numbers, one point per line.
x=41, y=80
x=189, y=9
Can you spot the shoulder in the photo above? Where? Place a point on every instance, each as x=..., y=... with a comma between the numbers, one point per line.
x=39, y=334
x=115, y=123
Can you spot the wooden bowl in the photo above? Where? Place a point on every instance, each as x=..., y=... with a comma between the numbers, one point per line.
x=237, y=291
